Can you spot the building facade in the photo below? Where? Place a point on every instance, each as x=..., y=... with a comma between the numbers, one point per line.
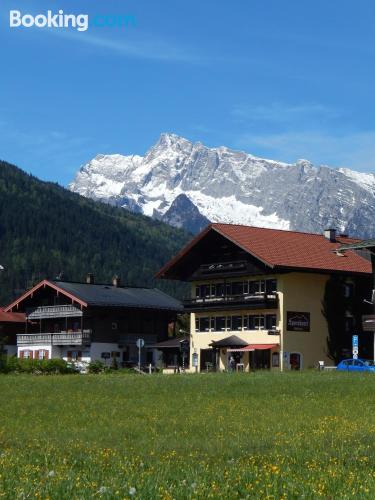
x=257, y=295
x=85, y=322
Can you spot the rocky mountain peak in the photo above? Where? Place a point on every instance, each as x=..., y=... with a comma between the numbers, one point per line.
x=179, y=181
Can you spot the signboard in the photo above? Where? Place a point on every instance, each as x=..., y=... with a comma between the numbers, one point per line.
x=368, y=323
x=298, y=321
x=355, y=346
x=140, y=343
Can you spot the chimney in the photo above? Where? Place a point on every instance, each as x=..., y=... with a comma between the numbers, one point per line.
x=330, y=234
x=116, y=281
x=90, y=279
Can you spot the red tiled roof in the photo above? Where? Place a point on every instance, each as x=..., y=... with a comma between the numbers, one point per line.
x=285, y=249
x=8, y=317
x=279, y=248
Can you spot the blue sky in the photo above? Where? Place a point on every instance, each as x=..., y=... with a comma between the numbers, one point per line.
x=280, y=79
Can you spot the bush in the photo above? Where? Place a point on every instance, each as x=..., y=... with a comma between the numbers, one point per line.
x=96, y=367
x=11, y=364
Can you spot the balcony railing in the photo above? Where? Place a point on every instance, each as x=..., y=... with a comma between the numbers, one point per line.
x=63, y=311
x=257, y=301
x=61, y=338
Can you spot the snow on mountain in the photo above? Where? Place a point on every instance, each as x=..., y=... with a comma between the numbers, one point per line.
x=188, y=184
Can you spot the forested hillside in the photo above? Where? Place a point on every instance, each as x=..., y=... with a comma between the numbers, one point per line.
x=46, y=230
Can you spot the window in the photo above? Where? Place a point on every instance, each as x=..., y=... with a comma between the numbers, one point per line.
x=228, y=288
x=197, y=291
x=236, y=322
x=246, y=323
x=219, y=290
x=259, y=322
x=256, y=287
x=271, y=322
x=220, y=323
x=41, y=354
x=26, y=354
x=205, y=290
x=271, y=286
x=114, y=325
x=253, y=322
x=202, y=324
x=74, y=355
x=237, y=288
x=246, y=287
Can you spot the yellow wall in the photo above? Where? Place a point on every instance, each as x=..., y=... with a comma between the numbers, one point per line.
x=304, y=292
x=300, y=292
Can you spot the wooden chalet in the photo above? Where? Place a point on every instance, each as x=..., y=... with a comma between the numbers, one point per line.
x=88, y=321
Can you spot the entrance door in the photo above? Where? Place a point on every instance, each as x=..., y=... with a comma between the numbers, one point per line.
x=208, y=360
x=295, y=361
x=260, y=359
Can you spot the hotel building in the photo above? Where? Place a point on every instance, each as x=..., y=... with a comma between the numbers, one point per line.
x=256, y=295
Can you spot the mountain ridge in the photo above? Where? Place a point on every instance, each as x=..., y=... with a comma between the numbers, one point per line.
x=225, y=185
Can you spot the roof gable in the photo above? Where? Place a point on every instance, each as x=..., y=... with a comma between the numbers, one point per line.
x=43, y=284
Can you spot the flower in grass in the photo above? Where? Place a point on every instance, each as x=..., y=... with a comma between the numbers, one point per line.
x=51, y=473
x=193, y=486
x=132, y=491
x=102, y=490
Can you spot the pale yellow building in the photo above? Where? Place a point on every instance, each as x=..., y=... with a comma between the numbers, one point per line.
x=256, y=295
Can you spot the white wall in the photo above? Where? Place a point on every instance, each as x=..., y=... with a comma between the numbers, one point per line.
x=98, y=347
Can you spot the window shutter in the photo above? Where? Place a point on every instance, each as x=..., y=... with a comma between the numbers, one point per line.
x=21, y=354
x=46, y=354
x=79, y=356
x=31, y=354
x=36, y=354
x=69, y=355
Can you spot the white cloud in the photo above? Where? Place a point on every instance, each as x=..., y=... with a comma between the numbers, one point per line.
x=136, y=46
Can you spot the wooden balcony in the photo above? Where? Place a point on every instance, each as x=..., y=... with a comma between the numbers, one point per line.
x=63, y=311
x=61, y=338
x=258, y=301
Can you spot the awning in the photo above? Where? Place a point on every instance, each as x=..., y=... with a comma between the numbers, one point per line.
x=232, y=342
x=242, y=349
x=254, y=347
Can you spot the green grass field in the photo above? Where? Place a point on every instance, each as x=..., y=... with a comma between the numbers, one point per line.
x=261, y=435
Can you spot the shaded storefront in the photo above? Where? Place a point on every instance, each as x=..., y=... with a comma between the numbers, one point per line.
x=235, y=354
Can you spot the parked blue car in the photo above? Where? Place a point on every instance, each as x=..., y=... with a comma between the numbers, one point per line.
x=356, y=365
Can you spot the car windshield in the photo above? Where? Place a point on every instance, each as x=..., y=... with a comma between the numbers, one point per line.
x=369, y=362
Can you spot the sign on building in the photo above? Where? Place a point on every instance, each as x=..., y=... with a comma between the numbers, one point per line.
x=298, y=321
x=355, y=346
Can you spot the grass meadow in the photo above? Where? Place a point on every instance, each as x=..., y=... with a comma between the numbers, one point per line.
x=262, y=435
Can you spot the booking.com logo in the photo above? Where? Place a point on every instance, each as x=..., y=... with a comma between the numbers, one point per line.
x=80, y=22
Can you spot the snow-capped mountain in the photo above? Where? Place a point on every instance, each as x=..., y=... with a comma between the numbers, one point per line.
x=188, y=184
